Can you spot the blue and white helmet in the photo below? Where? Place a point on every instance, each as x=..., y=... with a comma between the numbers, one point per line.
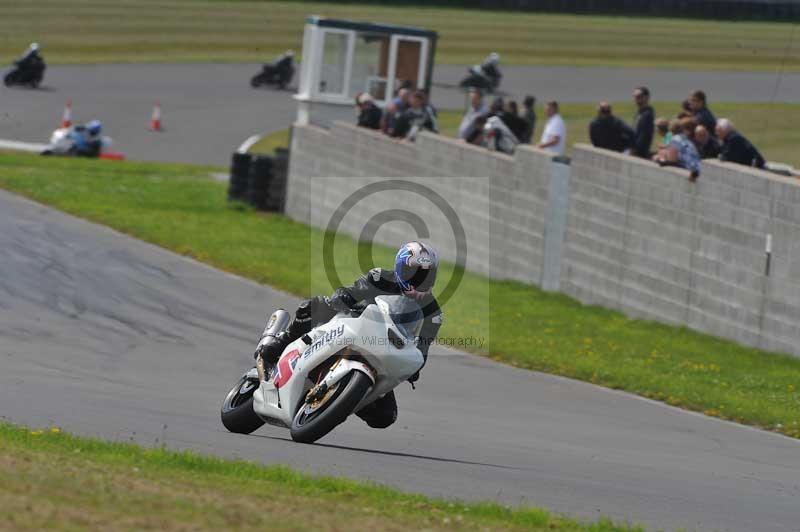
x=415, y=267
x=94, y=127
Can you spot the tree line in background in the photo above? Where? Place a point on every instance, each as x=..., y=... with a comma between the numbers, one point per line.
x=776, y=10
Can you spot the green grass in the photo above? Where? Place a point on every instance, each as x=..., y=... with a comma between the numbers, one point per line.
x=50, y=480
x=180, y=208
x=194, y=30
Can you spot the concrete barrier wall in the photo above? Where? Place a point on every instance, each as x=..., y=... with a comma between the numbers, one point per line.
x=500, y=201
x=610, y=230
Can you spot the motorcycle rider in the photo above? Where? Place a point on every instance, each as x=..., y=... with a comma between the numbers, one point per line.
x=283, y=65
x=87, y=140
x=30, y=58
x=414, y=275
x=490, y=69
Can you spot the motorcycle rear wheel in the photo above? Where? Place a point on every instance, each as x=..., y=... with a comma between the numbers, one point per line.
x=310, y=425
x=237, y=409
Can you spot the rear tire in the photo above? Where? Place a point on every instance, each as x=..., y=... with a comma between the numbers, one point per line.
x=308, y=428
x=237, y=409
x=10, y=79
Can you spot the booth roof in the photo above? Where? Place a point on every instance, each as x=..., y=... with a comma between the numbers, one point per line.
x=370, y=27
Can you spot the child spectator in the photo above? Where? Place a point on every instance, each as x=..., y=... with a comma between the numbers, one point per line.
x=662, y=127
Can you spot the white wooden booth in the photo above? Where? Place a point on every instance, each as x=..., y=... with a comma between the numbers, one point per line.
x=343, y=58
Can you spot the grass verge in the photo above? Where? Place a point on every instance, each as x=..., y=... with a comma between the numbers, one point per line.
x=178, y=207
x=100, y=31
x=99, y=485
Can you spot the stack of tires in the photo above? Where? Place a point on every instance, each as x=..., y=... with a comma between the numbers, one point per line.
x=240, y=173
x=259, y=180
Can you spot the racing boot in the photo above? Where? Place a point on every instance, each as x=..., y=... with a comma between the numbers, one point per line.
x=274, y=339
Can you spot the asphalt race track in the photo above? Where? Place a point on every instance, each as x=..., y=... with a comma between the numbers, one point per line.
x=208, y=110
x=104, y=335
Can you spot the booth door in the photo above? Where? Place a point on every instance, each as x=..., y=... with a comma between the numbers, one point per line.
x=409, y=61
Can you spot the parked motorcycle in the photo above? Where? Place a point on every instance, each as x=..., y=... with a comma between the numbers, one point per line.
x=486, y=76
x=27, y=73
x=279, y=73
x=335, y=370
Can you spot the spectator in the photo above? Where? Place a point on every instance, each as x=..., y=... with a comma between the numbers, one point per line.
x=554, y=136
x=643, y=123
x=513, y=121
x=419, y=116
x=707, y=145
x=681, y=150
x=609, y=132
x=395, y=109
x=735, y=147
x=370, y=114
x=529, y=115
x=662, y=127
x=701, y=113
x=477, y=108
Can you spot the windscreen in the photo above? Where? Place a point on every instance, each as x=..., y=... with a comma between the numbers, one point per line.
x=405, y=313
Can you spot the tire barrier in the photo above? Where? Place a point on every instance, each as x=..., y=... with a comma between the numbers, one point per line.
x=260, y=180
x=240, y=171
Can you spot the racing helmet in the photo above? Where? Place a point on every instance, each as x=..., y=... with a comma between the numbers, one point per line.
x=94, y=127
x=34, y=46
x=493, y=58
x=415, y=267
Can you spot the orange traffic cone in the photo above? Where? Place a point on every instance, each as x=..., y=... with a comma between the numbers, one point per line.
x=155, y=119
x=66, y=117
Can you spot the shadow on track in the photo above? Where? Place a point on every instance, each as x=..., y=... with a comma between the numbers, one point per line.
x=397, y=453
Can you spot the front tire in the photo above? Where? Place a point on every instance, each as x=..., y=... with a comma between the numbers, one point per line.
x=309, y=424
x=10, y=79
x=237, y=409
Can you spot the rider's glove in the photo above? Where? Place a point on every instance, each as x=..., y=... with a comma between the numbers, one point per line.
x=414, y=378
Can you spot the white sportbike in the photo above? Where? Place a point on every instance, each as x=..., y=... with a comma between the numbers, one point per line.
x=333, y=371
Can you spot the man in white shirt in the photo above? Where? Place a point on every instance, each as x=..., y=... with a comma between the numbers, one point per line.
x=554, y=136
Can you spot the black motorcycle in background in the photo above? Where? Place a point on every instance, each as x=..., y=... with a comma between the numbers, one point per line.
x=485, y=76
x=28, y=71
x=279, y=73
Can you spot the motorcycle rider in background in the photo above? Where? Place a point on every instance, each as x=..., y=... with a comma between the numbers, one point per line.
x=414, y=275
x=28, y=69
x=31, y=57
x=87, y=139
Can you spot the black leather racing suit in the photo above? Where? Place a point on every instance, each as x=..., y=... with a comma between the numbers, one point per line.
x=364, y=290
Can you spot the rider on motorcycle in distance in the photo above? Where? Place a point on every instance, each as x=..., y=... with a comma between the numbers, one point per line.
x=414, y=275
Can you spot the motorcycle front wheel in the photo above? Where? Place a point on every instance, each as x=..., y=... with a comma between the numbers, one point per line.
x=237, y=409
x=316, y=418
x=257, y=80
x=10, y=79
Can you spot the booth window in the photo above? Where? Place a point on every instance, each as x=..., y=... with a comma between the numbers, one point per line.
x=370, y=65
x=334, y=61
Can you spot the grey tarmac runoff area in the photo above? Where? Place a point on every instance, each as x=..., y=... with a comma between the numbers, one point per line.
x=209, y=109
x=104, y=335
